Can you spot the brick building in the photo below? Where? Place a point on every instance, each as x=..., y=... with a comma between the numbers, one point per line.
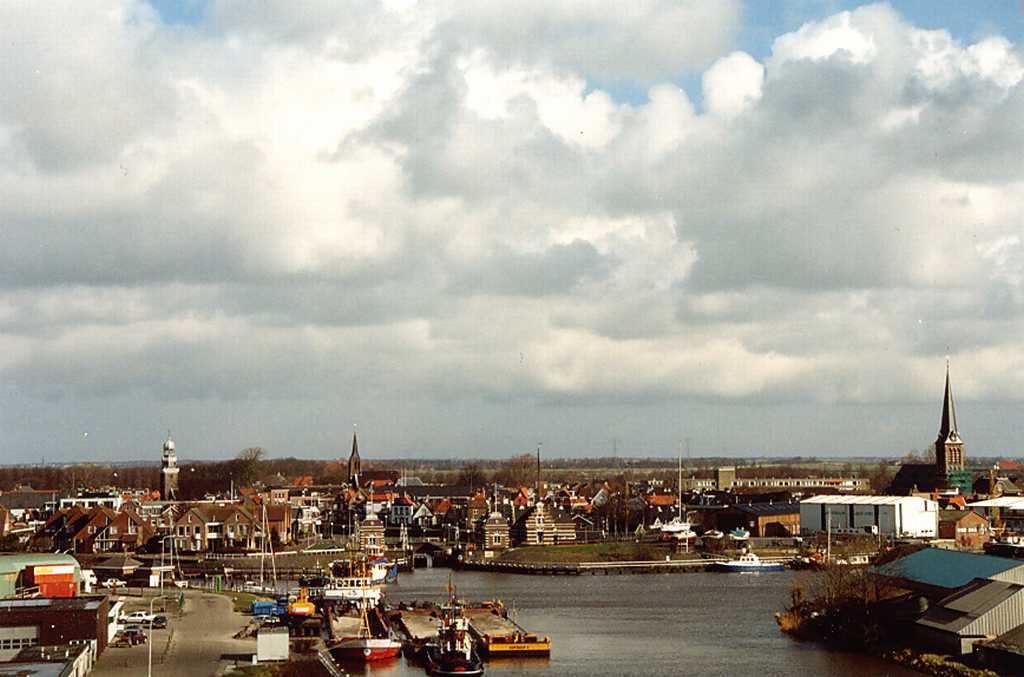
x=967, y=528
x=53, y=621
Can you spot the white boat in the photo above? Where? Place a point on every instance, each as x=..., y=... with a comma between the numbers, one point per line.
x=380, y=569
x=746, y=563
x=678, y=528
x=362, y=584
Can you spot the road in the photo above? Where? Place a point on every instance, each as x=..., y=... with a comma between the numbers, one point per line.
x=199, y=643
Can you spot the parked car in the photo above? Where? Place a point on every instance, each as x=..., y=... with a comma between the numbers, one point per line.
x=137, y=617
x=134, y=635
x=159, y=621
x=120, y=640
x=114, y=583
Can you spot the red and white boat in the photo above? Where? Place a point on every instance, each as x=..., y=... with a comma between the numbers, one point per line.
x=356, y=649
x=364, y=647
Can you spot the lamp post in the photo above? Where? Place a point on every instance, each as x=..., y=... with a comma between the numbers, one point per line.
x=163, y=551
x=149, y=637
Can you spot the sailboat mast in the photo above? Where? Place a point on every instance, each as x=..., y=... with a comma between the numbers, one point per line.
x=679, y=484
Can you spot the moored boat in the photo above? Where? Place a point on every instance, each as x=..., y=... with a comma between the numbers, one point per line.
x=363, y=646
x=356, y=649
x=746, y=563
x=453, y=651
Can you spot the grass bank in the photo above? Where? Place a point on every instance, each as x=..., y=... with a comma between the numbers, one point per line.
x=243, y=600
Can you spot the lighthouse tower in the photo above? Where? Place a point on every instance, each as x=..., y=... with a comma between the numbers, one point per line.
x=169, y=472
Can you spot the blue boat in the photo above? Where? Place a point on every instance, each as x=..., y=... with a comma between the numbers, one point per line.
x=746, y=563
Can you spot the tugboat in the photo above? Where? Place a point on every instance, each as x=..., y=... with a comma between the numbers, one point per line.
x=453, y=652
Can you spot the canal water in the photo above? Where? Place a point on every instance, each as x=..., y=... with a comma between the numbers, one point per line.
x=658, y=624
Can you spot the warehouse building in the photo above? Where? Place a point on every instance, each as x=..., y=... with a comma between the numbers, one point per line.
x=983, y=610
x=938, y=572
x=893, y=516
x=53, y=621
x=51, y=575
x=761, y=519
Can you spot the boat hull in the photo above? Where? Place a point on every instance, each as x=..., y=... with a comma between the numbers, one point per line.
x=740, y=568
x=364, y=650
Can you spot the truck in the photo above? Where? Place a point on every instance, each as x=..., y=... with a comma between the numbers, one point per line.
x=261, y=607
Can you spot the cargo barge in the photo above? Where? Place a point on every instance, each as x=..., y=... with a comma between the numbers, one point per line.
x=496, y=635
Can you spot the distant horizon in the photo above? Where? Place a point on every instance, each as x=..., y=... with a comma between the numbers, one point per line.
x=441, y=461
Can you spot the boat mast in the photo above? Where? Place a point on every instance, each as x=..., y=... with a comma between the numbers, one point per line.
x=679, y=486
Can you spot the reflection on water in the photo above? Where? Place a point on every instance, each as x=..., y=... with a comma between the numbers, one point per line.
x=668, y=624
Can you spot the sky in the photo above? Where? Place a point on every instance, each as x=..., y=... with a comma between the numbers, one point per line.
x=759, y=227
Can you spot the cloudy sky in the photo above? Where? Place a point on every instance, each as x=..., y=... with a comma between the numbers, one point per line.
x=469, y=229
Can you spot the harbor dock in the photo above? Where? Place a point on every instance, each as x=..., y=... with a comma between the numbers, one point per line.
x=604, y=568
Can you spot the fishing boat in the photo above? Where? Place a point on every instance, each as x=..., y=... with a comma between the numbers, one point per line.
x=746, y=563
x=379, y=569
x=364, y=647
x=359, y=585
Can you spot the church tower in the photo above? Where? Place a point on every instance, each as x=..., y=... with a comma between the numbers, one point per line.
x=354, y=463
x=169, y=472
x=949, y=448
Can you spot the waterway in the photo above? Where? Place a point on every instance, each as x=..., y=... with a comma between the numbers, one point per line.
x=658, y=624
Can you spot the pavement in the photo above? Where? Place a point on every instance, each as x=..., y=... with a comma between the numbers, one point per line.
x=198, y=643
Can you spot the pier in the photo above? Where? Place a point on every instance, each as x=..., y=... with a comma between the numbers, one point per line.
x=604, y=568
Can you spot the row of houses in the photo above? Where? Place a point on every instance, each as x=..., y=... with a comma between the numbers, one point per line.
x=196, y=527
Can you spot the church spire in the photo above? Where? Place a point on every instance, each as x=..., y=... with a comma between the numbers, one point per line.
x=949, y=448
x=947, y=429
x=354, y=461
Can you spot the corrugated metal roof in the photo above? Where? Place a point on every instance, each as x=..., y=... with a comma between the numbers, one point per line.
x=1011, y=502
x=859, y=500
x=966, y=607
x=11, y=564
x=950, y=569
x=768, y=509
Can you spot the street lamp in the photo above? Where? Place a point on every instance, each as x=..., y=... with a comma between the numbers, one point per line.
x=149, y=637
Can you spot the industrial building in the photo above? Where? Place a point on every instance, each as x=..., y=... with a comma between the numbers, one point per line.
x=983, y=610
x=761, y=519
x=892, y=516
x=50, y=661
x=50, y=575
x=53, y=621
x=937, y=572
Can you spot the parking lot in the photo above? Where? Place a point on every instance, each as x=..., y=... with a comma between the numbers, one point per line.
x=198, y=642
